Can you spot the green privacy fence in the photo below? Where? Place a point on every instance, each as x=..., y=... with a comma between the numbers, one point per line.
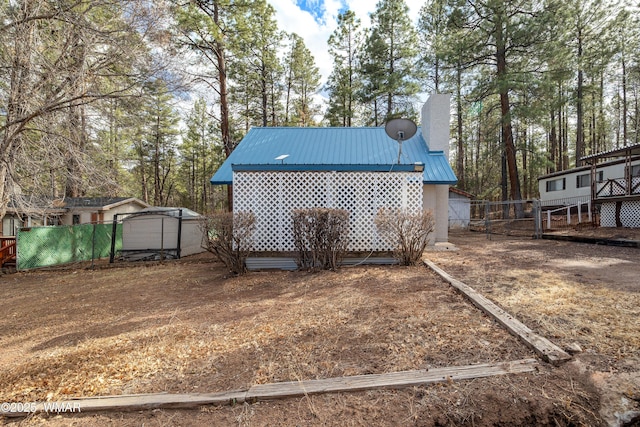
x=47, y=246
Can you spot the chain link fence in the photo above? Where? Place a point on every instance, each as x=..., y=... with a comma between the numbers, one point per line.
x=49, y=246
x=512, y=218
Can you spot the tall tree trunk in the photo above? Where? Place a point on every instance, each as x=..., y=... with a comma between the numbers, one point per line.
x=263, y=92
x=525, y=169
x=553, y=143
x=565, y=137
x=624, y=102
x=579, y=105
x=15, y=119
x=157, y=195
x=505, y=110
x=460, y=154
x=224, y=99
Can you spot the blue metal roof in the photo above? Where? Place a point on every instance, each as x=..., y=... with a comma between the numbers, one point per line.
x=345, y=149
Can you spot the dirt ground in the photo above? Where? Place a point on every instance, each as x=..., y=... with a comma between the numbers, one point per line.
x=186, y=327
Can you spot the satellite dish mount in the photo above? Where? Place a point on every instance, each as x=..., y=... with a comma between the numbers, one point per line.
x=400, y=130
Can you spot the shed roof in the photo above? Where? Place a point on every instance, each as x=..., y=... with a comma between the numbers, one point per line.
x=101, y=203
x=344, y=149
x=629, y=150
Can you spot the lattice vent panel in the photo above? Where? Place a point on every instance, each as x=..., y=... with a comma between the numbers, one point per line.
x=635, y=185
x=629, y=214
x=608, y=215
x=272, y=196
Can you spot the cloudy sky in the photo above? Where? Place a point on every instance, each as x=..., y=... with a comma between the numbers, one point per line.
x=315, y=20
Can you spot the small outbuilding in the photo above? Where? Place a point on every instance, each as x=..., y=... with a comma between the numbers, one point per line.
x=459, y=208
x=67, y=211
x=276, y=170
x=161, y=233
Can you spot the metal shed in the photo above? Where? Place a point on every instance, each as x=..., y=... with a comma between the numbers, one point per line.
x=161, y=233
x=459, y=208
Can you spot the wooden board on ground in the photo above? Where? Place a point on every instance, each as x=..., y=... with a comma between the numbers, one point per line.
x=276, y=390
x=547, y=350
x=389, y=380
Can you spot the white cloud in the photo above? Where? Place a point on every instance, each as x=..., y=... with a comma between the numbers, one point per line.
x=292, y=19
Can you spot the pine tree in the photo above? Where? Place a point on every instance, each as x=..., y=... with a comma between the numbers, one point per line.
x=156, y=148
x=587, y=24
x=344, y=82
x=198, y=157
x=389, y=63
x=302, y=82
x=255, y=64
x=60, y=60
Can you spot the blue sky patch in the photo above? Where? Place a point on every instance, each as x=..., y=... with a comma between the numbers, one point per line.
x=314, y=7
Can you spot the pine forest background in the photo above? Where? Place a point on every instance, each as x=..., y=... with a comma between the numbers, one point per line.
x=146, y=99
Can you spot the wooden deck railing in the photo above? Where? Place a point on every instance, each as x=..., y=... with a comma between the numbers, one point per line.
x=7, y=249
x=618, y=187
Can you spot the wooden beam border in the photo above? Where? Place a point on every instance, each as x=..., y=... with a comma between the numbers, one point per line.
x=548, y=351
x=276, y=390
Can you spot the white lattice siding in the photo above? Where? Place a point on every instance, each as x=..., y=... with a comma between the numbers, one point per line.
x=629, y=214
x=272, y=196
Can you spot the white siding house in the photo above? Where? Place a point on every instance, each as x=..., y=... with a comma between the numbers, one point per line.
x=611, y=181
x=567, y=187
x=276, y=170
x=68, y=211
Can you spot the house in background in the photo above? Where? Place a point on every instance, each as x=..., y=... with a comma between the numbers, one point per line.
x=610, y=180
x=68, y=211
x=35, y=215
x=97, y=210
x=276, y=170
x=618, y=193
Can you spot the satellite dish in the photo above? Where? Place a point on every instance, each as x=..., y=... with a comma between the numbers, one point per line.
x=281, y=157
x=400, y=130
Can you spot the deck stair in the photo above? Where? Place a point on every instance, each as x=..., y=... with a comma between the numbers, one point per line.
x=7, y=252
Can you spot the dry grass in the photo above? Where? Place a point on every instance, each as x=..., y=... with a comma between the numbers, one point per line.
x=597, y=318
x=570, y=293
x=185, y=328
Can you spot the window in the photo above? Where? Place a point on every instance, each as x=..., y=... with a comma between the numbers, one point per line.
x=556, y=184
x=583, y=180
x=635, y=170
x=75, y=219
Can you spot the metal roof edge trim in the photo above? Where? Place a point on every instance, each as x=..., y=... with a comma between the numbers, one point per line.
x=454, y=182
x=327, y=167
x=223, y=182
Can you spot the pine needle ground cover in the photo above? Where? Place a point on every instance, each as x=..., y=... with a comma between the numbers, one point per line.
x=184, y=327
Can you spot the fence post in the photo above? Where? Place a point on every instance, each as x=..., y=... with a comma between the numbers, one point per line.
x=93, y=246
x=113, y=239
x=589, y=210
x=568, y=215
x=162, y=239
x=537, y=219
x=486, y=219
x=178, y=246
x=579, y=212
x=549, y=220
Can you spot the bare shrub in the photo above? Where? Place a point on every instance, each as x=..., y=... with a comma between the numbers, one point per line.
x=407, y=231
x=320, y=236
x=230, y=237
